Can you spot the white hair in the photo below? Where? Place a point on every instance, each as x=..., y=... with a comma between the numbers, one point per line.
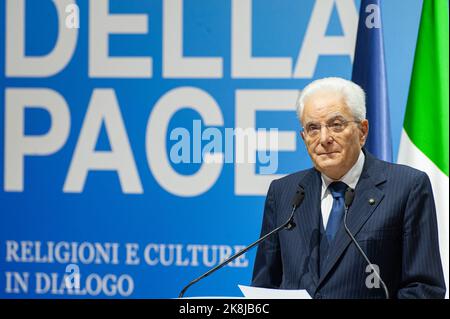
x=353, y=94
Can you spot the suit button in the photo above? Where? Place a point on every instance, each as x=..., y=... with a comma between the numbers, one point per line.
x=318, y=296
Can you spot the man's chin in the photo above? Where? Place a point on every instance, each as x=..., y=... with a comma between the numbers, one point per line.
x=329, y=159
x=328, y=164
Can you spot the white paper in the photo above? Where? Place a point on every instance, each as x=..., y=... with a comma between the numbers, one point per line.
x=265, y=293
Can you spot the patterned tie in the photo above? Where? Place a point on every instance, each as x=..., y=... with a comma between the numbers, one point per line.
x=337, y=190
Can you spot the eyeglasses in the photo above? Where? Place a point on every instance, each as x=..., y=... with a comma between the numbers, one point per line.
x=333, y=126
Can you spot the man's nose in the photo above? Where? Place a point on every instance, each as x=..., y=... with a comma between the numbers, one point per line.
x=325, y=137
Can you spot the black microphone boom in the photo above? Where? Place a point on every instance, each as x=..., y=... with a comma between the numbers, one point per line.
x=289, y=224
x=349, y=195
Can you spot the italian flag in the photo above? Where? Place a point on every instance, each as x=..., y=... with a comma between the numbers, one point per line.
x=425, y=137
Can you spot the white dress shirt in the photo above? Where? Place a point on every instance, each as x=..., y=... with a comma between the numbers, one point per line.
x=350, y=178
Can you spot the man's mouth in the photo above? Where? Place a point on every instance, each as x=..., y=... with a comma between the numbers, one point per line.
x=327, y=153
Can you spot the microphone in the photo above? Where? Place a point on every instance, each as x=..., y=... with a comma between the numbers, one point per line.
x=349, y=195
x=289, y=225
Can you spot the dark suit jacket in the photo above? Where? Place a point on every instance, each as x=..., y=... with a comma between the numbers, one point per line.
x=398, y=232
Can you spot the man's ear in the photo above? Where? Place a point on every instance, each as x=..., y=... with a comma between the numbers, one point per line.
x=302, y=134
x=364, y=130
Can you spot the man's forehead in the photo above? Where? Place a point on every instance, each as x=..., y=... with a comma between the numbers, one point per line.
x=326, y=117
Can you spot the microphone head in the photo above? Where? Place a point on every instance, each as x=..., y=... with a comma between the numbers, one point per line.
x=349, y=195
x=298, y=197
x=290, y=225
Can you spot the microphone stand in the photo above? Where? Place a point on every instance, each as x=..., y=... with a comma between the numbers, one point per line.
x=349, y=194
x=289, y=224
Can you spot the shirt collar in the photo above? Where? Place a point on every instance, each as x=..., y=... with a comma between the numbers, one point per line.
x=350, y=178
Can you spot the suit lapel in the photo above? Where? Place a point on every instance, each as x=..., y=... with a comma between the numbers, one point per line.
x=367, y=198
x=309, y=218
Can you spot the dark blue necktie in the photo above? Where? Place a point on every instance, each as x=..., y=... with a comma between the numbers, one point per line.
x=337, y=190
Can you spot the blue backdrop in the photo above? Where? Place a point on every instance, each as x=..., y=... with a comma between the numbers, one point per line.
x=84, y=179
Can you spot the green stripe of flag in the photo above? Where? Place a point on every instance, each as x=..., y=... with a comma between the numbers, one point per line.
x=426, y=118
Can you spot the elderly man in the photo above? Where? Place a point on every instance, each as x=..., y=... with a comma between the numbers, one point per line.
x=392, y=216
